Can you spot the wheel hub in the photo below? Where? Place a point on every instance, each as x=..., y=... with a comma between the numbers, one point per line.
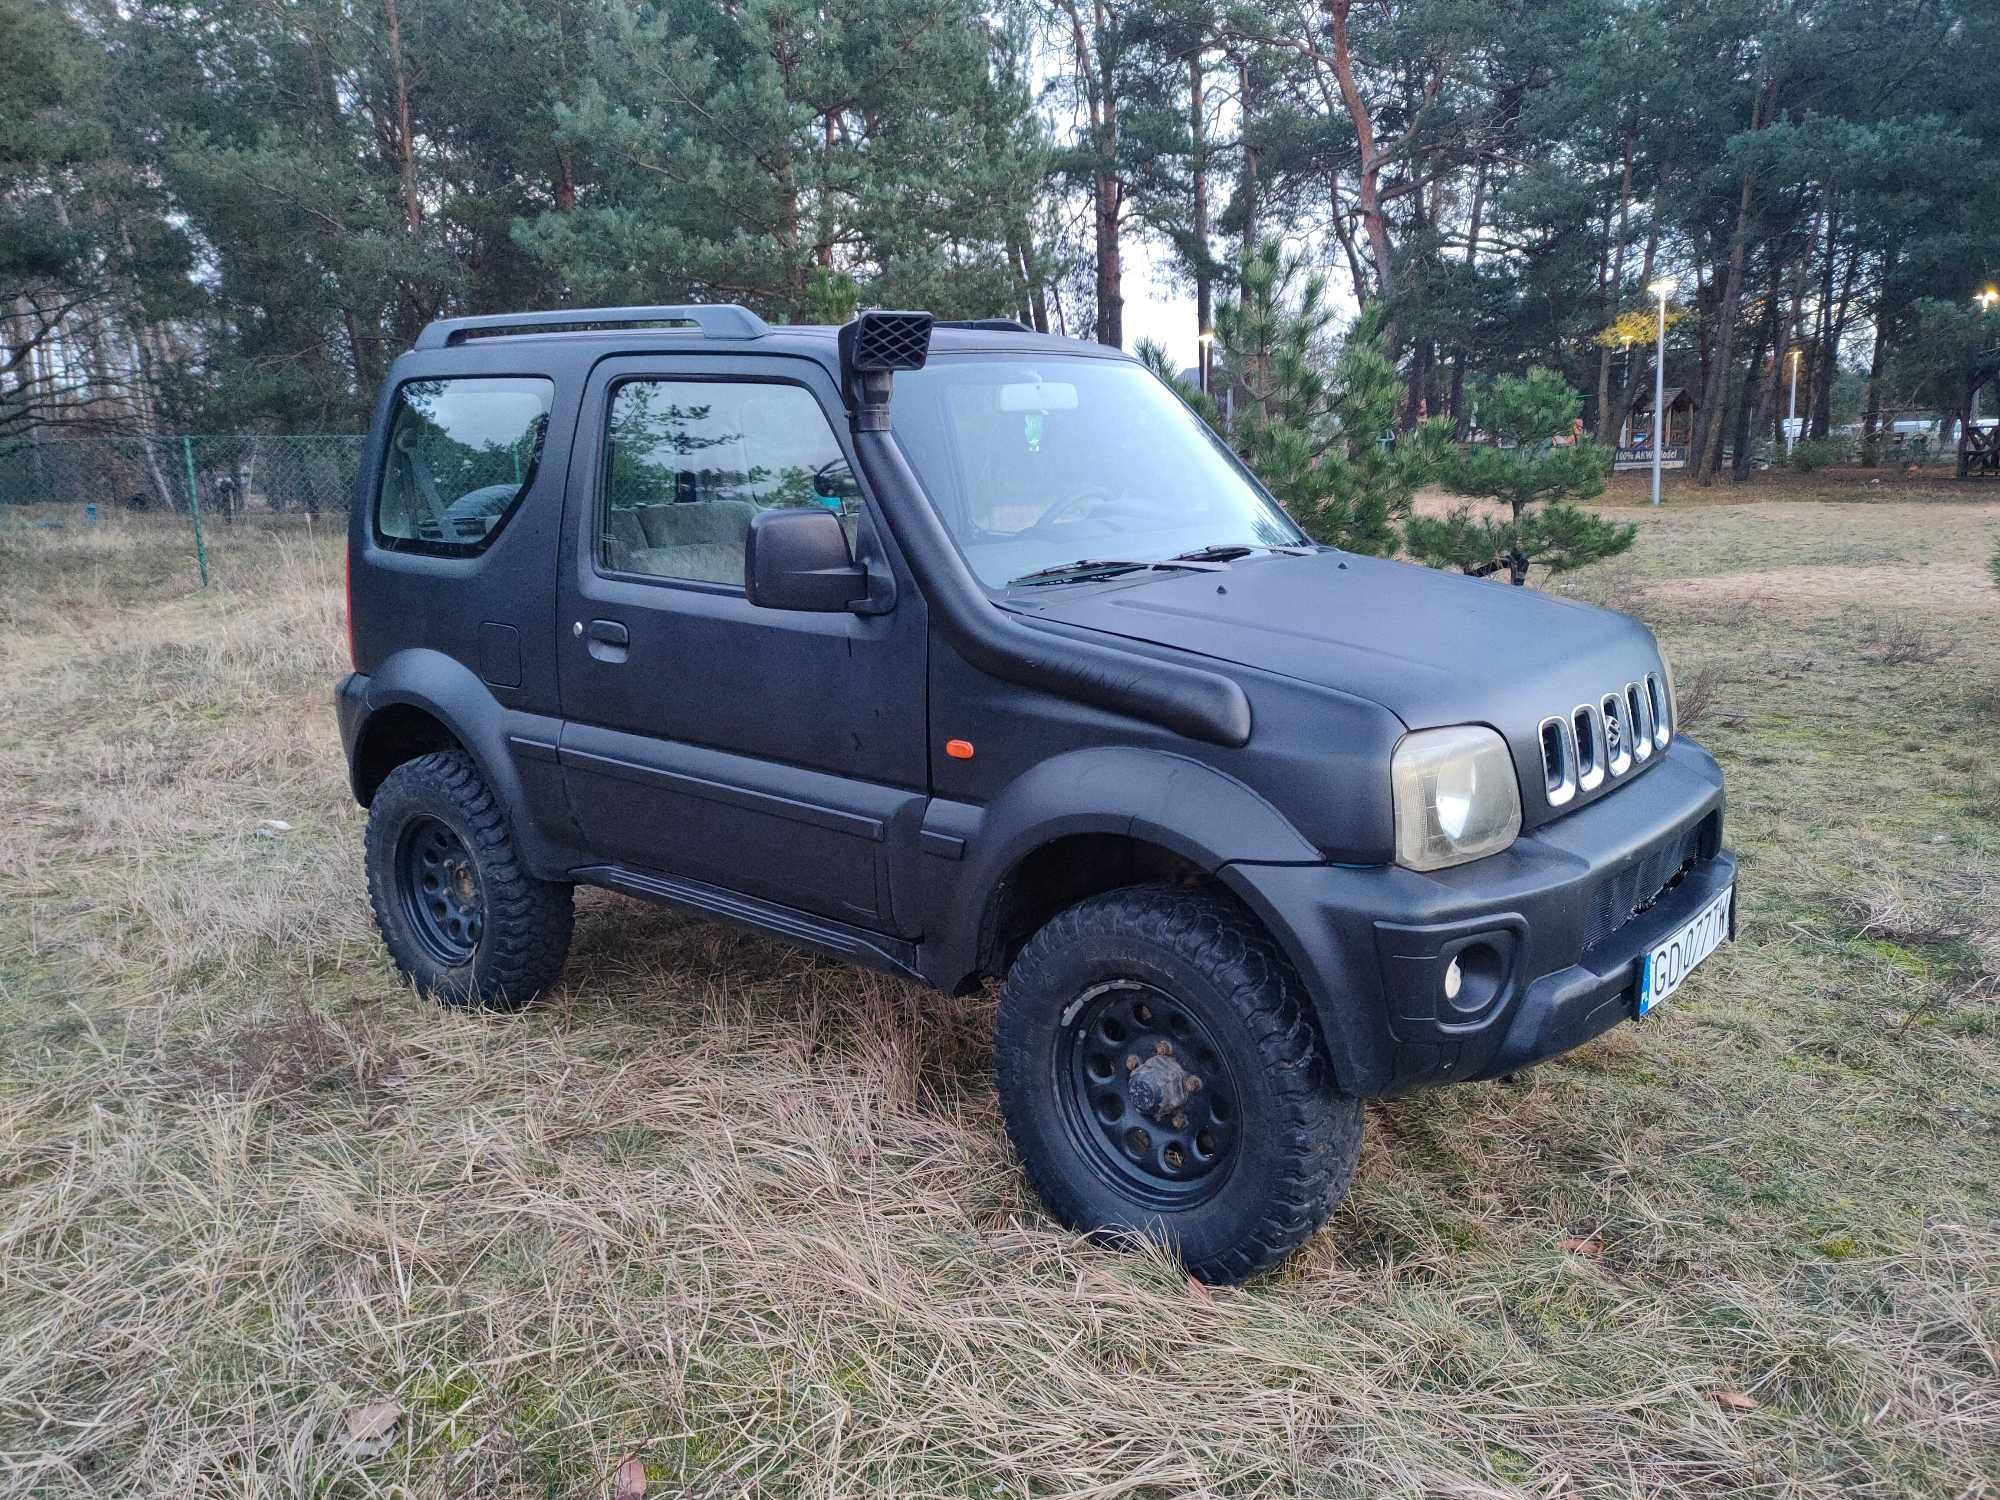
x=1147, y=1097
x=1159, y=1086
x=442, y=898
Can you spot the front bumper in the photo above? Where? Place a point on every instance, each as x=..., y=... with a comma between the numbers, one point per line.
x=1548, y=933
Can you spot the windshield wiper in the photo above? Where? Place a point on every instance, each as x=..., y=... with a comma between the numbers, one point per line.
x=1229, y=551
x=1083, y=567
x=1087, y=569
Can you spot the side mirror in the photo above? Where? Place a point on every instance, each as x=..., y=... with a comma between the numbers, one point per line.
x=798, y=559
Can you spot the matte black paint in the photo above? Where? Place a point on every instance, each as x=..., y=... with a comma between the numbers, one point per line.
x=785, y=769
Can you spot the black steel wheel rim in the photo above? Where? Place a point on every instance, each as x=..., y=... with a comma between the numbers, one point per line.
x=442, y=896
x=1147, y=1095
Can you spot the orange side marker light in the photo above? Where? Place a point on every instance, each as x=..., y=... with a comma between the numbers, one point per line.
x=958, y=749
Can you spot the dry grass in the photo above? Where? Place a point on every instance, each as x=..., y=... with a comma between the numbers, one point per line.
x=1903, y=642
x=748, y=1215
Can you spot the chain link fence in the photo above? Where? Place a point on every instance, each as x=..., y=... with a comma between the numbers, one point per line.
x=222, y=477
x=209, y=481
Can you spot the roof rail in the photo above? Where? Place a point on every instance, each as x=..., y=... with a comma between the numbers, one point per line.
x=712, y=320
x=988, y=325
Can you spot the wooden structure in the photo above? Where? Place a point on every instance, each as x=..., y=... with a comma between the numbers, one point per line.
x=1979, y=447
x=1637, y=436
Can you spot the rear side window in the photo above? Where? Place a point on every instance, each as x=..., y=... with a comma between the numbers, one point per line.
x=461, y=455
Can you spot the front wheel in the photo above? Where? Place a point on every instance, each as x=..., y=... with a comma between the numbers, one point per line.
x=459, y=913
x=1160, y=1076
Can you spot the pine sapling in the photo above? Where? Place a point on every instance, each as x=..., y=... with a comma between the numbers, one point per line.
x=1310, y=416
x=1546, y=468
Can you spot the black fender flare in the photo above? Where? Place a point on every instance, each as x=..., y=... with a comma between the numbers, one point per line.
x=1158, y=797
x=499, y=740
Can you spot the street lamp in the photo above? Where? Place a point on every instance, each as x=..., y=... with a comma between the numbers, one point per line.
x=1985, y=299
x=1663, y=289
x=1792, y=416
x=1206, y=339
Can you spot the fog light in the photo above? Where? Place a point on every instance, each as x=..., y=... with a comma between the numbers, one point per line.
x=1453, y=978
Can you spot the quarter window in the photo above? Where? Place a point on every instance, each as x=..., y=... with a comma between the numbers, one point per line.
x=461, y=455
x=689, y=462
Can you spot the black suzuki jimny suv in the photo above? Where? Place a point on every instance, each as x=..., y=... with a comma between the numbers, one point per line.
x=967, y=653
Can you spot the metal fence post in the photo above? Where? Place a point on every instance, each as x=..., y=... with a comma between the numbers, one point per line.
x=194, y=509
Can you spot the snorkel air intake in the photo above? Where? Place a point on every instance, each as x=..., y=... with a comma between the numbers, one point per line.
x=872, y=348
x=1201, y=705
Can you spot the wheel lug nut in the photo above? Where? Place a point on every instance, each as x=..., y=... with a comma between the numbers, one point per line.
x=1180, y=1122
x=1132, y=1063
x=1163, y=1049
x=1193, y=1084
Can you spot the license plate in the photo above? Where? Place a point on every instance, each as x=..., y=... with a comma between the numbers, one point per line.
x=1662, y=970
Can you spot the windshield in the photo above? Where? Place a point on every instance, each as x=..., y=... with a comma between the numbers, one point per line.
x=1035, y=463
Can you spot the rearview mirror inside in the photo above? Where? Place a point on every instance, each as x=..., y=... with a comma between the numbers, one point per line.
x=1038, y=395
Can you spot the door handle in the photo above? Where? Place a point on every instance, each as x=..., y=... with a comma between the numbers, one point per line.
x=608, y=640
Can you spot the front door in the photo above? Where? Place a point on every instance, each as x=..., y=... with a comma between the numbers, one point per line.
x=775, y=753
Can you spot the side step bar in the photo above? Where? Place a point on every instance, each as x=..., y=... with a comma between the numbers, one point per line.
x=856, y=945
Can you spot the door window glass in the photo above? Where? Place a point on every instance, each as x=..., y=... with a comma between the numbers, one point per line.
x=689, y=462
x=461, y=455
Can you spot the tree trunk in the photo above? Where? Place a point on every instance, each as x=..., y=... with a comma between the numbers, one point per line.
x=1345, y=235
x=1709, y=423
x=1204, y=283
x=364, y=376
x=405, y=143
x=1607, y=419
x=1837, y=331
x=1110, y=266
x=1095, y=71
x=1109, y=194
x=1603, y=309
x=1823, y=358
x=1032, y=290
x=1247, y=187
x=1703, y=333
x=1423, y=352
x=563, y=189
x=1370, y=177
x=1754, y=405
x=823, y=247
x=1871, y=421
x=1471, y=262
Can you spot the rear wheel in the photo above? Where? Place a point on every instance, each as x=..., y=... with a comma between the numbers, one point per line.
x=462, y=918
x=1160, y=1076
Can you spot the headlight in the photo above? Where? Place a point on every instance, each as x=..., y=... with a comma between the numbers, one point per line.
x=1456, y=797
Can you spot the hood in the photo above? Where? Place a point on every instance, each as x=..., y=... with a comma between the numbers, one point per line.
x=1433, y=648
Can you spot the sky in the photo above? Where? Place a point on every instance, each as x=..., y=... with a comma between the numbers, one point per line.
x=1155, y=310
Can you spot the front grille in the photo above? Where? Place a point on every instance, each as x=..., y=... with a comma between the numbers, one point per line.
x=1606, y=739
x=1623, y=894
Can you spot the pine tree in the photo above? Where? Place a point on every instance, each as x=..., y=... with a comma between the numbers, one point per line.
x=1543, y=469
x=1315, y=421
x=877, y=140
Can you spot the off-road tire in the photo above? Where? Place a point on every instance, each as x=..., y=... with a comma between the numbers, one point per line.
x=525, y=927
x=1297, y=1138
